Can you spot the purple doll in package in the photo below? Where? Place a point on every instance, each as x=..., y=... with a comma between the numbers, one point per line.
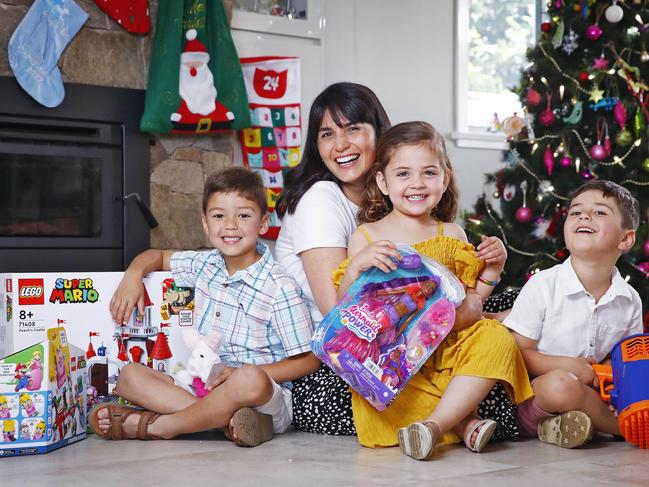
x=387, y=325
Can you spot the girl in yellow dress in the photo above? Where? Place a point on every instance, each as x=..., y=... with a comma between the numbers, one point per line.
x=411, y=198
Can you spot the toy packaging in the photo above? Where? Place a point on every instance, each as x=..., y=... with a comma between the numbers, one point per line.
x=42, y=396
x=31, y=303
x=387, y=325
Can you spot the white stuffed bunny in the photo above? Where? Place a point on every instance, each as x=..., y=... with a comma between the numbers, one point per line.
x=202, y=360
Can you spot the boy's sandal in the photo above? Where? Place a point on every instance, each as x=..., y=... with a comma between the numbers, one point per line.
x=571, y=429
x=485, y=428
x=250, y=427
x=419, y=439
x=118, y=415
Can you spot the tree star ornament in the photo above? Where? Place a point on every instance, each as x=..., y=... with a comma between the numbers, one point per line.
x=596, y=94
x=600, y=63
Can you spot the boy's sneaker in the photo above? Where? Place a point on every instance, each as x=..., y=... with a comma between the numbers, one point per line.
x=571, y=429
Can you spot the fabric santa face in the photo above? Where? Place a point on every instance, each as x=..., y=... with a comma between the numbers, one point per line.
x=196, y=85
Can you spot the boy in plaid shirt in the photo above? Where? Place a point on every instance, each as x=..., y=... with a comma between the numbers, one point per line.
x=243, y=294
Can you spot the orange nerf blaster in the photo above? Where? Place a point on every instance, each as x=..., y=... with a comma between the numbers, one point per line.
x=625, y=385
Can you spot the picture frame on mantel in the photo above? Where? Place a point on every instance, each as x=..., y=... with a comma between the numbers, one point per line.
x=311, y=27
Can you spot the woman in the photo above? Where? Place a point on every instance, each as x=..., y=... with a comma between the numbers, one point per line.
x=318, y=209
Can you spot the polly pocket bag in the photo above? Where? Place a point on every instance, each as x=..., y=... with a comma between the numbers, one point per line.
x=387, y=325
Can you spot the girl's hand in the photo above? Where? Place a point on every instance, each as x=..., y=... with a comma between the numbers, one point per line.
x=381, y=254
x=493, y=252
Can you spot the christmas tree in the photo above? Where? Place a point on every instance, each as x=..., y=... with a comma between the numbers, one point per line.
x=585, y=95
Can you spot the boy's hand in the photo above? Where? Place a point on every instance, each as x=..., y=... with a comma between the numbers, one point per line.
x=223, y=376
x=128, y=295
x=378, y=254
x=493, y=252
x=584, y=372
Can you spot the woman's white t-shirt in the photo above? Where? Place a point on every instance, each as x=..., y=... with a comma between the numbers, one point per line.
x=324, y=217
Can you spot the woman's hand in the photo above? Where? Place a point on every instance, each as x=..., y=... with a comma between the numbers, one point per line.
x=493, y=252
x=381, y=254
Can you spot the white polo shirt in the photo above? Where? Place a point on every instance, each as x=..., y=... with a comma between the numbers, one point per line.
x=555, y=309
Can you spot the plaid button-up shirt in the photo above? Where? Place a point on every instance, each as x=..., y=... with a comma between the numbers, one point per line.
x=259, y=310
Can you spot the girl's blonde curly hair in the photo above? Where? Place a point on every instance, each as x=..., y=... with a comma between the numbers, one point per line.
x=375, y=205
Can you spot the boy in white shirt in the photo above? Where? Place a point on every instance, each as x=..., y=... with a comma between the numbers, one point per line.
x=570, y=316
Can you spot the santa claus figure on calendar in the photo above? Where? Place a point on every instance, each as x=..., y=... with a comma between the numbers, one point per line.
x=199, y=110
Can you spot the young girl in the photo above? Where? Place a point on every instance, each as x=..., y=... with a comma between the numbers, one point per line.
x=411, y=198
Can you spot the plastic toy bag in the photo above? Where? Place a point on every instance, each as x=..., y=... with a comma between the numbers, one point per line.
x=387, y=325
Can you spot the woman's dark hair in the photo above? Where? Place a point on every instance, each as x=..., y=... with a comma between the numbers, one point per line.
x=347, y=103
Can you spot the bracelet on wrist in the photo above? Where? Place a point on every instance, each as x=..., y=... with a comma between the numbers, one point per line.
x=488, y=282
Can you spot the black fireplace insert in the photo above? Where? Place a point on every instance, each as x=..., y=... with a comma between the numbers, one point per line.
x=74, y=180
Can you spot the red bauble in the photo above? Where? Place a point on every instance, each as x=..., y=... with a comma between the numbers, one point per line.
x=582, y=76
x=598, y=152
x=561, y=254
x=546, y=26
x=566, y=161
x=533, y=97
x=524, y=214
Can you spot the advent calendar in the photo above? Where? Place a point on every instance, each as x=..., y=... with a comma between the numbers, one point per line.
x=272, y=144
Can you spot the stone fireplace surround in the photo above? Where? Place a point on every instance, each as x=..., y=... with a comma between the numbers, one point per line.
x=104, y=54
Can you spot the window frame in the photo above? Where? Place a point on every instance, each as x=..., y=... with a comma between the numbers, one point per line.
x=462, y=135
x=310, y=28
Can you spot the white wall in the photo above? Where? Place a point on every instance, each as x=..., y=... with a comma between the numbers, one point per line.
x=404, y=51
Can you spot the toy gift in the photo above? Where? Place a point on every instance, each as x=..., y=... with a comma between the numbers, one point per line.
x=42, y=396
x=387, y=325
x=624, y=384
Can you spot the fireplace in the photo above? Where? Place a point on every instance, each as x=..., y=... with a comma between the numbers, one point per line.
x=74, y=180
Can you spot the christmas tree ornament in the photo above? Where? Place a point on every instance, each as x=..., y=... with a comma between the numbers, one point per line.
x=638, y=123
x=561, y=254
x=644, y=56
x=593, y=32
x=509, y=192
x=614, y=13
x=570, y=42
x=596, y=94
x=548, y=160
x=557, y=38
x=132, y=15
x=512, y=126
x=529, y=124
x=575, y=115
x=533, y=97
x=583, y=76
x=37, y=44
x=545, y=186
x=547, y=117
x=565, y=161
x=645, y=248
x=598, y=151
x=624, y=137
x=555, y=224
x=511, y=159
x=546, y=27
x=645, y=164
x=619, y=112
x=496, y=194
x=586, y=174
x=524, y=214
x=540, y=227
x=600, y=63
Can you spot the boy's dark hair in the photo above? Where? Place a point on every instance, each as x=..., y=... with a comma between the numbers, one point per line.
x=628, y=205
x=236, y=179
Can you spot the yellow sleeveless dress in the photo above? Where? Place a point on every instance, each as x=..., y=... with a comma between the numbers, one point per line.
x=485, y=349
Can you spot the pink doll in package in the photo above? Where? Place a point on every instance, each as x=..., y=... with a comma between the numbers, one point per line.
x=387, y=325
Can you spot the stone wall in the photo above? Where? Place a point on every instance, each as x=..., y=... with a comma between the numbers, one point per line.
x=104, y=54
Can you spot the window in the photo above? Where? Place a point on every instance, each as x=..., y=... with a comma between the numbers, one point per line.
x=491, y=40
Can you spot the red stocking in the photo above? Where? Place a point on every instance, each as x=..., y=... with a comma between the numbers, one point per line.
x=133, y=15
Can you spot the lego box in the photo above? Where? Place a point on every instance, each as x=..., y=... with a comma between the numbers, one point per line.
x=42, y=396
x=32, y=303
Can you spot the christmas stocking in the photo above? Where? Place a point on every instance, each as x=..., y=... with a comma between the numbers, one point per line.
x=133, y=15
x=37, y=44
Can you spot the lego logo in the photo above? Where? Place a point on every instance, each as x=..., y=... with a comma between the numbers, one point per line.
x=31, y=291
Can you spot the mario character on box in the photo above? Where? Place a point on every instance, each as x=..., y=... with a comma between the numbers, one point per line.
x=387, y=325
x=42, y=396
